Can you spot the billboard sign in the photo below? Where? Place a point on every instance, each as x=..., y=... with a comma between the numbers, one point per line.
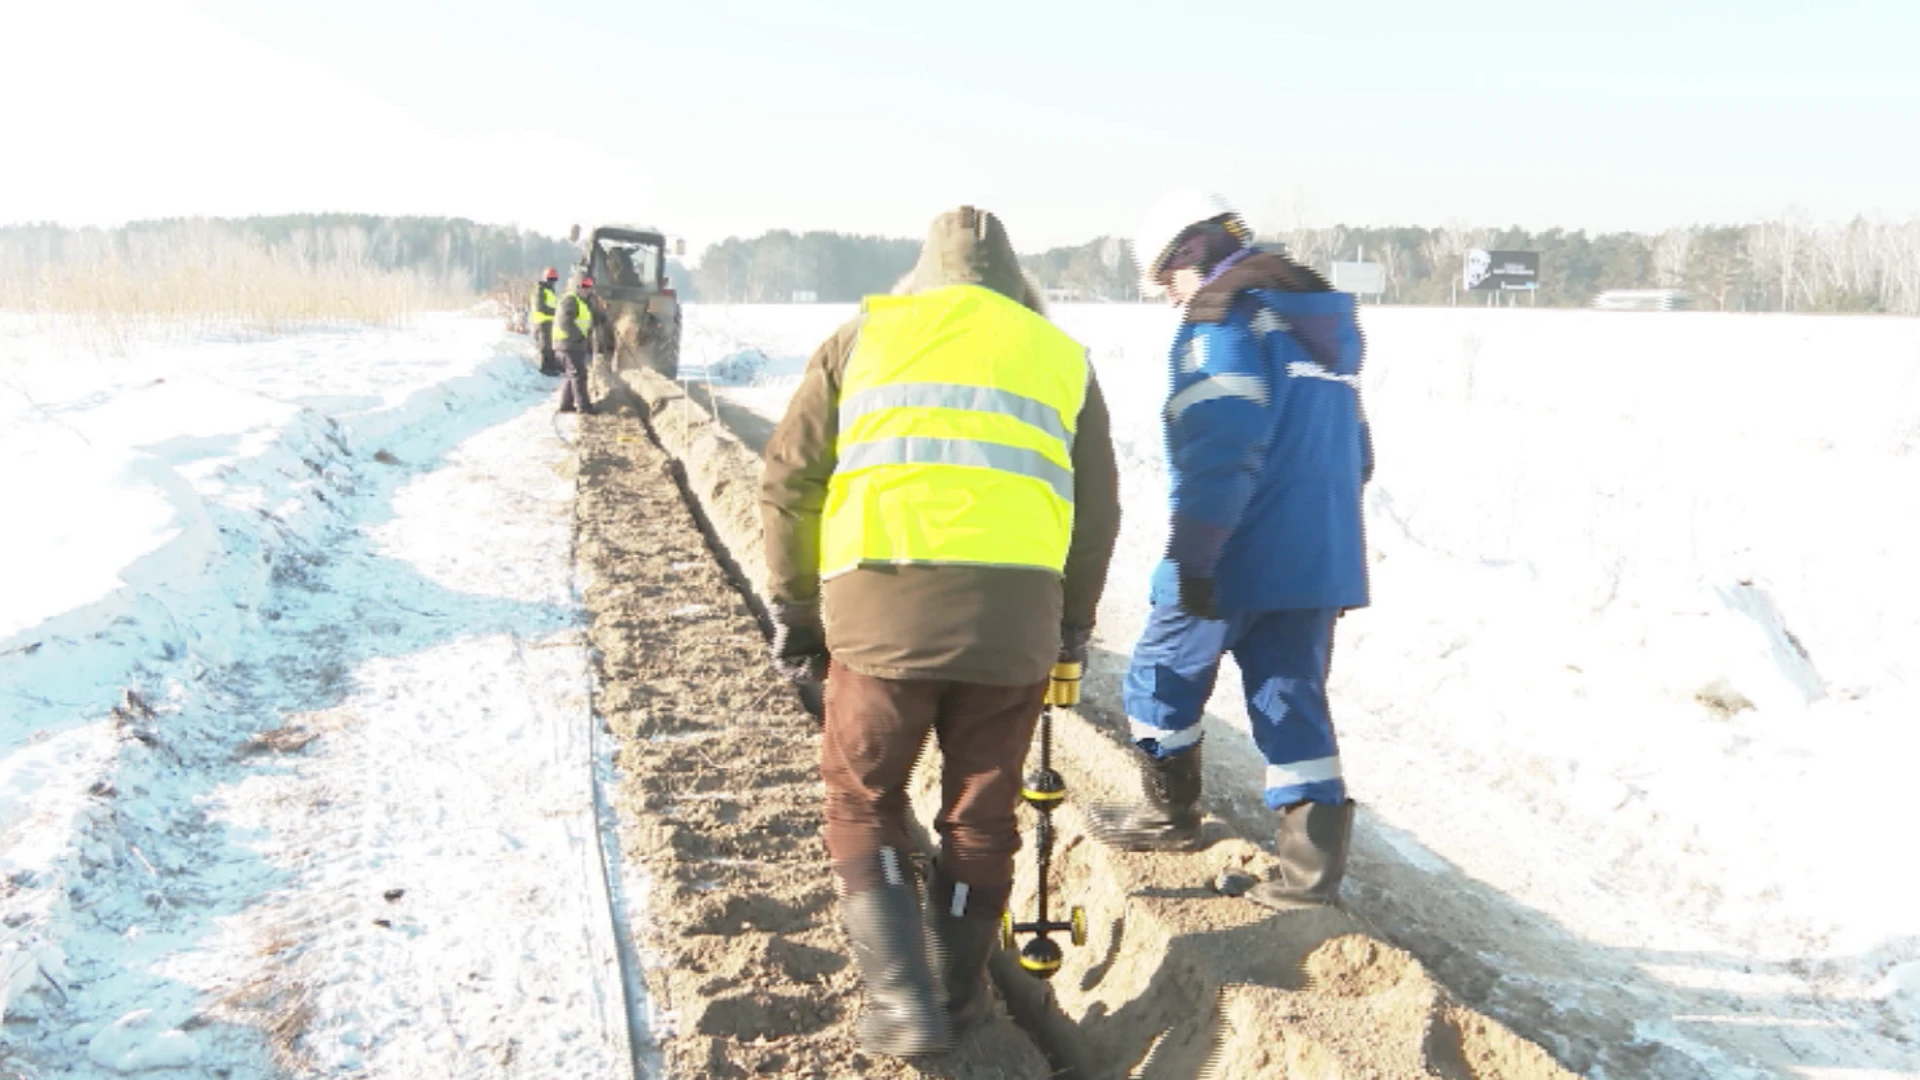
x=1490, y=270
x=1360, y=278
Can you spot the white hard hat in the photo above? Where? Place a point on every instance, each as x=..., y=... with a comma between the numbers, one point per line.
x=1168, y=217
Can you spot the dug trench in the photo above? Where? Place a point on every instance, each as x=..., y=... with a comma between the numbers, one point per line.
x=1174, y=981
x=718, y=796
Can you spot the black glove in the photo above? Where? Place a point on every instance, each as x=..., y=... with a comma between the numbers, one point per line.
x=1073, y=643
x=1063, y=682
x=1196, y=596
x=799, y=642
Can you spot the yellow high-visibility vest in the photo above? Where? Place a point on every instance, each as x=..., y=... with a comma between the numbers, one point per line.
x=542, y=303
x=582, y=318
x=957, y=415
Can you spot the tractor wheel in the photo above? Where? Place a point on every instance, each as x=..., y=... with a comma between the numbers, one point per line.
x=667, y=354
x=627, y=346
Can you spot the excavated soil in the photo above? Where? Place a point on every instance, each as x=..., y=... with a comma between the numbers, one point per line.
x=719, y=798
x=1176, y=980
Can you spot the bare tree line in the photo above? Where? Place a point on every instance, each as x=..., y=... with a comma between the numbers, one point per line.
x=1790, y=264
x=451, y=254
x=189, y=275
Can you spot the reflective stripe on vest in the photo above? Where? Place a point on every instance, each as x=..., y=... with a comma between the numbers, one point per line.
x=542, y=304
x=957, y=414
x=582, y=318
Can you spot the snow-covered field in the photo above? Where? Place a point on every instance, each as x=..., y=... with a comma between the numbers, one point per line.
x=1632, y=718
x=1635, y=708
x=294, y=731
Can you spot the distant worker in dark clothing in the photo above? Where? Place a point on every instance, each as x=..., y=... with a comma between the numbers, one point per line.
x=540, y=317
x=574, y=324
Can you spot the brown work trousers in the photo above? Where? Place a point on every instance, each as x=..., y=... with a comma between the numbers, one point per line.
x=875, y=729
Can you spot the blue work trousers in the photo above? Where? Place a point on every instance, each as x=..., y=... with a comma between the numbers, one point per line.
x=1284, y=657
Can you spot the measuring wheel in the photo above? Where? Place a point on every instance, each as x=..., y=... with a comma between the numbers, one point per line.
x=1044, y=790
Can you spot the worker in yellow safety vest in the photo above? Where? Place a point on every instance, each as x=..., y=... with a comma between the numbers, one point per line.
x=540, y=308
x=944, y=481
x=574, y=322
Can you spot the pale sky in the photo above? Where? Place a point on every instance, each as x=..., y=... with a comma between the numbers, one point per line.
x=713, y=118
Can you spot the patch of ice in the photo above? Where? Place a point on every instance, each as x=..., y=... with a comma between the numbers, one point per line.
x=1900, y=981
x=140, y=1042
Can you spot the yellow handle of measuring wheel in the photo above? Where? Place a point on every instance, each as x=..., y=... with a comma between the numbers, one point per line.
x=1063, y=685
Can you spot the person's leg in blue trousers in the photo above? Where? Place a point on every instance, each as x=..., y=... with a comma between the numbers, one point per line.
x=1171, y=677
x=1167, y=686
x=1284, y=658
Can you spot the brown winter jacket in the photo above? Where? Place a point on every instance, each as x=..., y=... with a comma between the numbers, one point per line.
x=992, y=625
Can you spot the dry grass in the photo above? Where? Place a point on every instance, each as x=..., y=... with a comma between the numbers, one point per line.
x=282, y=740
x=283, y=1010
x=277, y=1000
x=112, y=302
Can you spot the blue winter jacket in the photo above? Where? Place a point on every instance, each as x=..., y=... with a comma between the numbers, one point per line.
x=1267, y=445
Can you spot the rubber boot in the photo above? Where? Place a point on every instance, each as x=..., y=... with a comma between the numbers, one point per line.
x=903, y=1017
x=962, y=944
x=1167, y=818
x=1312, y=849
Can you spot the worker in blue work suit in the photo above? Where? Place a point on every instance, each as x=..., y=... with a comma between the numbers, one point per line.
x=1267, y=453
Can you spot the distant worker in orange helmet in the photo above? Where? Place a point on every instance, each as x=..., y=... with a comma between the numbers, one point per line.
x=540, y=316
x=574, y=324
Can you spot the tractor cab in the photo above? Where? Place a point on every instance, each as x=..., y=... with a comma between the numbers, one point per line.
x=642, y=313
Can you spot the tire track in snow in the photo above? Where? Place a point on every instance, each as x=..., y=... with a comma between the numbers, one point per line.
x=358, y=834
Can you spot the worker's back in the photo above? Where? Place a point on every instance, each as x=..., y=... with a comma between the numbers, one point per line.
x=950, y=511
x=970, y=457
x=940, y=495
